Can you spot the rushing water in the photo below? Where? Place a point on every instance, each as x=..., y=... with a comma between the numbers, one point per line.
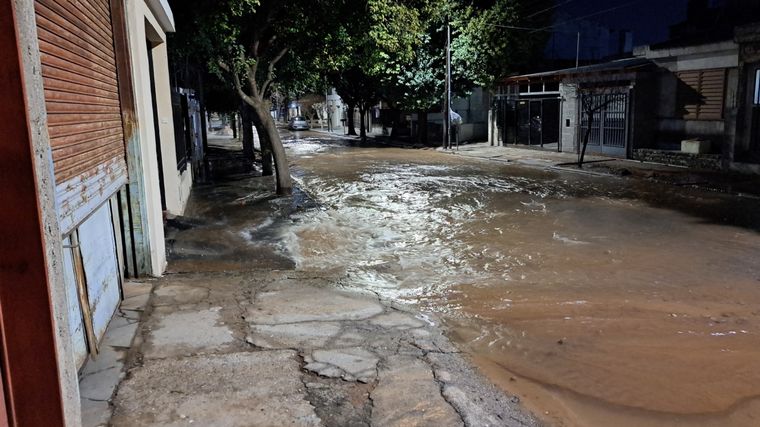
x=599, y=301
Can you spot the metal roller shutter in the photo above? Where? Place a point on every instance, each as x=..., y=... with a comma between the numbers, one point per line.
x=82, y=100
x=705, y=94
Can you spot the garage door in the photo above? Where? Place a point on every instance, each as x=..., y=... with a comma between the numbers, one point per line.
x=82, y=101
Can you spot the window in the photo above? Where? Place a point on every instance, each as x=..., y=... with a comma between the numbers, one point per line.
x=757, y=87
x=701, y=94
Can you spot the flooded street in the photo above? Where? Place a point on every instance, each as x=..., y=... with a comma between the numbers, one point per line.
x=598, y=300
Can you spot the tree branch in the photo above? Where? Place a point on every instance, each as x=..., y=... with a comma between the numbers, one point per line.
x=241, y=92
x=251, y=76
x=270, y=70
x=236, y=82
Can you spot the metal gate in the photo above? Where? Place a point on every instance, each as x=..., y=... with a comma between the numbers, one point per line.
x=609, y=123
x=528, y=121
x=538, y=122
x=506, y=119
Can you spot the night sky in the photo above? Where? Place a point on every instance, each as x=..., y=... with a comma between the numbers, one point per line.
x=648, y=19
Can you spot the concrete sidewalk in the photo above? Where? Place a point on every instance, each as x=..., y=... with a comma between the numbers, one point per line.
x=283, y=348
x=731, y=183
x=236, y=336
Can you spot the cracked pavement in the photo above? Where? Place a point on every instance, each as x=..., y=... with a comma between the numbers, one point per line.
x=287, y=348
x=236, y=336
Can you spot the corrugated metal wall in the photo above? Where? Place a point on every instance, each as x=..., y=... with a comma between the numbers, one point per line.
x=82, y=101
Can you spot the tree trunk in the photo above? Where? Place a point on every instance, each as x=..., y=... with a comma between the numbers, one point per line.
x=284, y=181
x=246, y=131
x=233, y=125
x=362, y=124
x=350, y=119
x=267, y=167
x=422, y=127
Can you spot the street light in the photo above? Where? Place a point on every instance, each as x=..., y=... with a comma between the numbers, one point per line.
x=447, y=95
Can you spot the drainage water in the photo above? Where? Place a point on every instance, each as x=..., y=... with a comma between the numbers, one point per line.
x=598, y=301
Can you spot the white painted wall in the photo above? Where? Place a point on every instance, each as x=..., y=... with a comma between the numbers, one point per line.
x=136, y=24
x=177, y=184
x=142, y=25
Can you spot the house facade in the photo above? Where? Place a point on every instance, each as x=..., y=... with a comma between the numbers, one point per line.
x=691, y=105
x=545, y=110
x=92, y=157
x=746, y=150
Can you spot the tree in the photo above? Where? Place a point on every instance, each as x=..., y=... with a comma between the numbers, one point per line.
x=482, y=49
x=366, y=39
x=260, y=46
x=488, y=44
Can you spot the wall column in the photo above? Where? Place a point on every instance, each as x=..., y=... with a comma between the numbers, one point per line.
x=40, y=377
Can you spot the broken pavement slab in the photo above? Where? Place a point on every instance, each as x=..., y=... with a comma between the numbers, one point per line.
x=408, y=394
x=102, y=374
x=186, y=332
x=292, y=335
x=397, y=320
x=349, y=364
x=253, y=389
x=298, y=304
x=178, y=294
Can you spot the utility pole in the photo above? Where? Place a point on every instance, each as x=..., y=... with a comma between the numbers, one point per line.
x=447, y=95
x=577, y=49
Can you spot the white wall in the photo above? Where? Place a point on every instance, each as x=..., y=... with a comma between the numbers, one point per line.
x=177, y=184
x=137, y=17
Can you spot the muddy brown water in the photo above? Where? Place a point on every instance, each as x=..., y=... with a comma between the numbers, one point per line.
x=598, y=301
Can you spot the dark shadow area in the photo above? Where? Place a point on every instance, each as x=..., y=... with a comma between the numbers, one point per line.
x=232, y=222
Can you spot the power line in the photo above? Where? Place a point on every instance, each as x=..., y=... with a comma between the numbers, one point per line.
x=513, y=27
x=548, y=9
x=551, y=28
x=589, y=15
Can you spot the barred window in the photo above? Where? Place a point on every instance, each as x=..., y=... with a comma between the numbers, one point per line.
x=701, y=94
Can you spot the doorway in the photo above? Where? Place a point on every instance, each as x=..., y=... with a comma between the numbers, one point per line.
x=538, y=123
x=156, y=125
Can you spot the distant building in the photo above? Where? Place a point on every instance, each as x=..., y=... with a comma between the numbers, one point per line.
x=690, y=104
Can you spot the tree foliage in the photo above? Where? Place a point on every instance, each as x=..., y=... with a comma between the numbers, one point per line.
x=260, y=46
x=368, y=50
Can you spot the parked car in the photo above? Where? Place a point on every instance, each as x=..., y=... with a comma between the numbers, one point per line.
x=298, y=123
